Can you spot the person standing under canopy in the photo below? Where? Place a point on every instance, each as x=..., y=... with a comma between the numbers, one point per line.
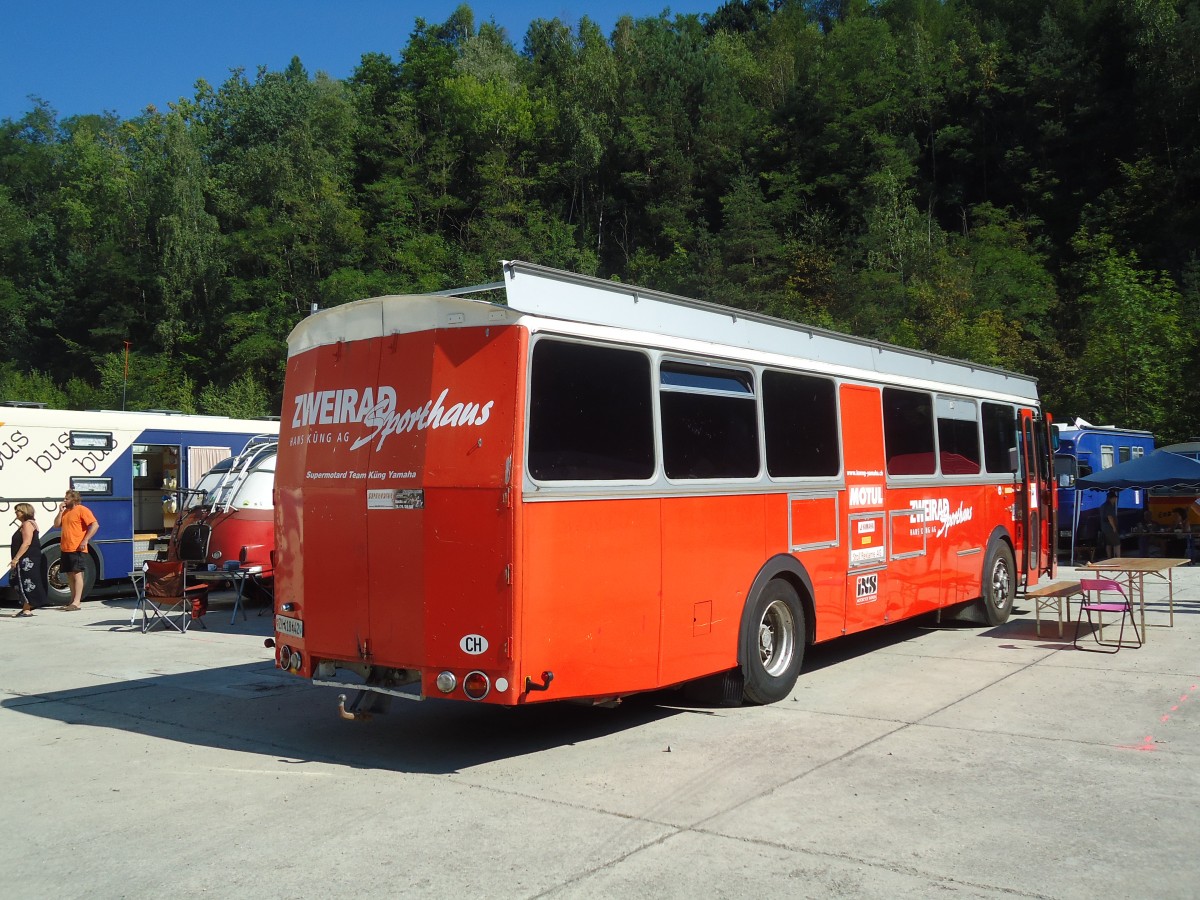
x=1108, y=545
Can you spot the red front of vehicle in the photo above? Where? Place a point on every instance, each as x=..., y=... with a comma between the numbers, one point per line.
x=393, y=481
x=245, y=535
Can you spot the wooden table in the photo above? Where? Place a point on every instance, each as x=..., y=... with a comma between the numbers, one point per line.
x=1135, y=569
x=1052, y=596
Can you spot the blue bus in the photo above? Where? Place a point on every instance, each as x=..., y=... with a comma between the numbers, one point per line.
x=1083, y=449
x=129, y=467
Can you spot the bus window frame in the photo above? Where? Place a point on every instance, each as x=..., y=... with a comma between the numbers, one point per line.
x=753, y=397
x=575, y=484
x=976, y=405
x=839, y=433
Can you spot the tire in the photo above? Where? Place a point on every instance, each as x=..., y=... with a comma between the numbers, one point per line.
x=999, y=584
x=773, y=640
x=58, y=591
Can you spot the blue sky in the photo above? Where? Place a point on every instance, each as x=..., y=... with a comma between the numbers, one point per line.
x=88, y=57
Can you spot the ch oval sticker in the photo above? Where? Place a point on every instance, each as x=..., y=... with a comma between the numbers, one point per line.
x=473, y=644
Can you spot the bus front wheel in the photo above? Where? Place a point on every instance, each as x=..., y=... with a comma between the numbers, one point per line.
x=773, y=643
x=999, y=583
x=58, y=589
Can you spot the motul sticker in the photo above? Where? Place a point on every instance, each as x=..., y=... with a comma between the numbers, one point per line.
x=866, y=495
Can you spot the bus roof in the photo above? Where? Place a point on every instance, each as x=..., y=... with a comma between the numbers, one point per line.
x=133, y=421
x=538, y=297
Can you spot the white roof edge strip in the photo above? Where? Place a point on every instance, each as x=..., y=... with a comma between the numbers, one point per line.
x=563, y=295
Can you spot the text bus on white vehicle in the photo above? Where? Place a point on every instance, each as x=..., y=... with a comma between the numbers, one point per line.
x=597, y=489
x=129, y=468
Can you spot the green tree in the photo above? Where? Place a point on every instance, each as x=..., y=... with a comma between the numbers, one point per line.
x=241, y=398
x=1134, y=347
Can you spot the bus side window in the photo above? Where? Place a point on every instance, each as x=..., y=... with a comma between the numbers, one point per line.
x=590, y=413
x=908, y=432
x=800, y=423
x=1000, y=438
x=709, y=421
x=958, y=436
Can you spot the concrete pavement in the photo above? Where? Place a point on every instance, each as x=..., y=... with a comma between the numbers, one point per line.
x=913, y=760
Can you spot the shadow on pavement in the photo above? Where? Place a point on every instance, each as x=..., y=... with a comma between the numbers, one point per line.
x=253, y=709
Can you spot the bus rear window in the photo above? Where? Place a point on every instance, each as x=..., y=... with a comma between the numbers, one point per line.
x=709, y=422
x=800, y=420
x=908, y=432
x=590, y=413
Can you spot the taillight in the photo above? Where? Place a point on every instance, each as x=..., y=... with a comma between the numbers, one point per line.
x=290, y=659
x=476, y=685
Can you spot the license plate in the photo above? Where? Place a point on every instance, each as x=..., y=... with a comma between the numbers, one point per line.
x=289, y=626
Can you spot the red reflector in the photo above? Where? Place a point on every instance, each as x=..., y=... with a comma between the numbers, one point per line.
x=476, y=685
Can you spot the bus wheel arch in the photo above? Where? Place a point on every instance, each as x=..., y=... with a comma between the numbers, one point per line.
x=998, y=587
x=58, y=591
x=776, y=627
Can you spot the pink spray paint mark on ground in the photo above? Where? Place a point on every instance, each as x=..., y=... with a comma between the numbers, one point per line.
x=1148, y=743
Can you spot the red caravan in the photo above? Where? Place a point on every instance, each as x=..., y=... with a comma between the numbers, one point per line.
x=596, y=490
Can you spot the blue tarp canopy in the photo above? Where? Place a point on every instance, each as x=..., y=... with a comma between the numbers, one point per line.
x=1161, y=469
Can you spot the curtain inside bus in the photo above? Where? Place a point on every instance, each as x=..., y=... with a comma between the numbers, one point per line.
x=201, y=459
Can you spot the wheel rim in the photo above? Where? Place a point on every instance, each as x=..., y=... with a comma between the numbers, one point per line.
x=776, y=638
x=55, y=579
x=1001, y=585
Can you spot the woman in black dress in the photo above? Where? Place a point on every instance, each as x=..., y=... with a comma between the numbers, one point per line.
x=25, y=570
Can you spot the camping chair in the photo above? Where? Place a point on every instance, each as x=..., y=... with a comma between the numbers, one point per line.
x=169, y=600
x=1094, y=601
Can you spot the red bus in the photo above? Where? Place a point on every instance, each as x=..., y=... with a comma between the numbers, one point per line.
x=596, y=489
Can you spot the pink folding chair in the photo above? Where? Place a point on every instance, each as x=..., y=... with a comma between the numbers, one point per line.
x=1095, y=601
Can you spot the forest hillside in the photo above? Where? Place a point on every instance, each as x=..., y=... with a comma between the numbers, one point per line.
x=1015, y=182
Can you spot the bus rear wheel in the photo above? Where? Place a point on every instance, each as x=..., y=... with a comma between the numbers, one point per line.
x=58, y=590
x=773, y=644
x=999, y=583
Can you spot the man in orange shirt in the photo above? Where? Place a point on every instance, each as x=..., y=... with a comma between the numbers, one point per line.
x=78, y=525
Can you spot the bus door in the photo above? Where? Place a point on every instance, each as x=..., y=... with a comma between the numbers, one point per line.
x=1049, y=564
x=865, y=515
x=1037, y=496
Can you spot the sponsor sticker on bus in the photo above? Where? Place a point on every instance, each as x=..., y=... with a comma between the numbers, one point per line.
x=866, y=588
x=388, y=498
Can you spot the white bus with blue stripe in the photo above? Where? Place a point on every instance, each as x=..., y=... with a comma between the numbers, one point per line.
x=131, y=469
